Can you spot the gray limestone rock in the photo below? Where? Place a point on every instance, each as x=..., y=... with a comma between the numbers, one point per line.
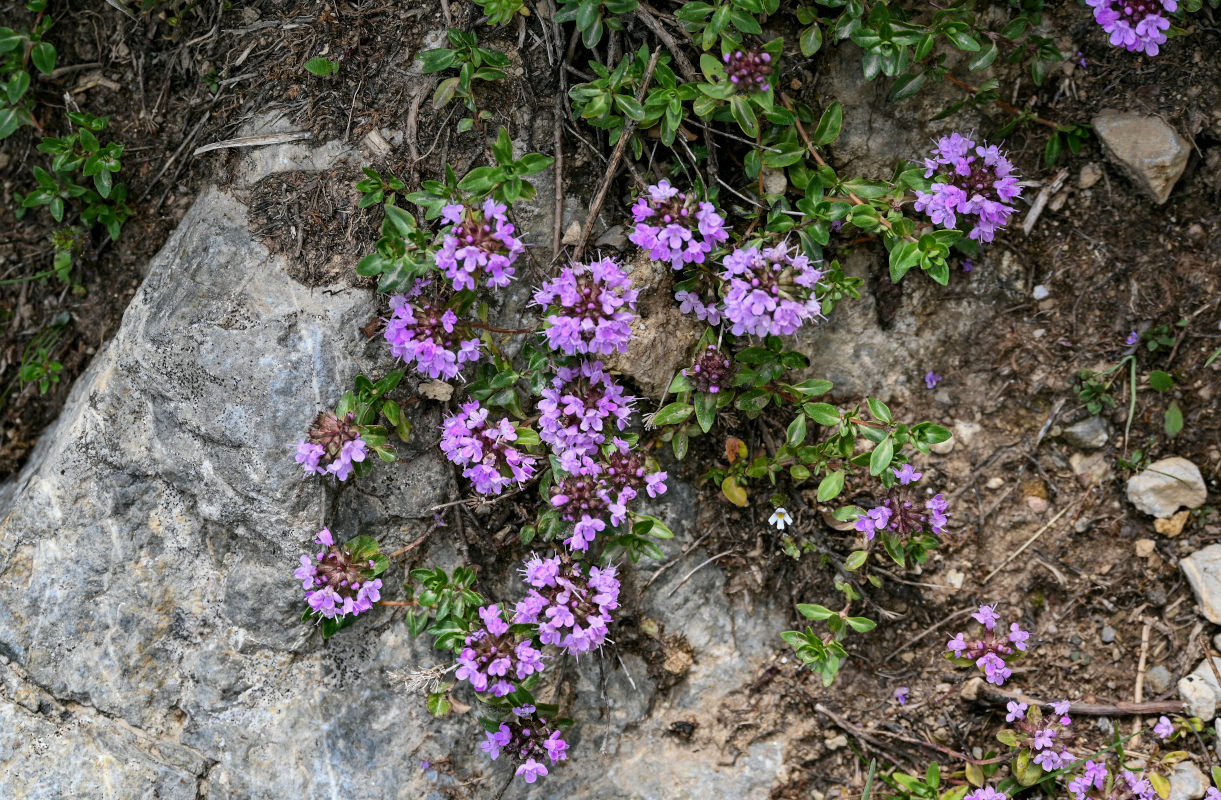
x=1087, y=434
x=1203, y=571
x=1150, y=152
x=1187, y=782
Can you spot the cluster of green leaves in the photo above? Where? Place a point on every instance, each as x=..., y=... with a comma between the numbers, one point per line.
x=38, y=366
x=473, y=63
x=518, y=698
x=405, y=251
x=825, y=653
x=360, y=549
x=724, y=20
x=447, y=600
x=19, y=50
x=370, y=404
x=1094, y=389
x=321, y=67
x=932, y=786
x=502, y=12
x=593, y=17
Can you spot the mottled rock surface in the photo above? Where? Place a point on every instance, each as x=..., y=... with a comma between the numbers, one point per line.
x=1150, y=152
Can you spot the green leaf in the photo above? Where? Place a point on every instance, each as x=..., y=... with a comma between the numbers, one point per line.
x=1174, y=419
x=796, y=434
x=984, y=58
x=321, y=67
x=438, y=704
x=932, y=775
x=705, y=410
x=814, y=611
x=831, y=486
x=811, y=40
x=1160, y=381
x=744, y=115
x=861, y=624
x=43, y=56
x=907, y=86
x=829, y=125
x=733, y=492
x=879, y=410
x=822, y=413
x=672, y=414
x=679, y=444
x=855, y=560
x=881, y=457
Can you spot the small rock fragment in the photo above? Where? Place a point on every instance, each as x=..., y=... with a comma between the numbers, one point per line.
x=1157, y=679
x=437, y=390
x=1108, y=634
x=1166, y=486
x=572, y=234
x=995, y=483
x=1174, y=526
x=774, y=181
x=1145, y=547
x=1092, y=469
x=1149, y=151
x=1203, y=571
x=1037, y=504
x=1087, y=434
x=1187, y=782
x=837, y=742
x=1090, y=174
x=1040, y=292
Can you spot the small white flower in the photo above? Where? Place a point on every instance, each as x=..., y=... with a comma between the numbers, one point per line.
x=779, y=518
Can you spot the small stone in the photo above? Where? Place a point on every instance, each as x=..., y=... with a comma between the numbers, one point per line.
x=1166, y=486
x=837, y=742
x=774, y=181
x=1108, y=634
x=1090, y=174
x=614, y=237
x=1203, y=571
x=1040, y=292
x=1092, y=469
x=995, y=483
x=943, y=448
x=1158, y=679
x=1037, y=504
x=1145, y=547
x=437, y=390
x=1174, y=526
x=1200, y=698
x=1217, y=641
x=572, y=234
x=1106, y=726
x=954, y=578
x=1187, y=782
x=1150, y=152
x=1087, y=434
x=965, y=432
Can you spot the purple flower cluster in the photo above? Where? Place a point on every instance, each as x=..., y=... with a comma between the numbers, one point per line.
x=991, y=648
x=429, y=336
x=486, y=449
x=592, y=491
x=711, y=371
x=898, y=514
x=579, y=406
x=749, y=69
x=480, y=239
x=986, y=793
x=526, y=738
x=674, y=226
x=1138, y=26
x=771, y=291
x=332, y=447
x=495, y=656
x=979, y=184
x=335, y=583
x=571, y=609
x=690, y=302
x=591, y=307
x=1092, y=784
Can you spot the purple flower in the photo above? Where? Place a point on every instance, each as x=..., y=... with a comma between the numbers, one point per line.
x=332, y=447
x=931, y=379
x=978, y=183
x=1018, y=636
x=872, y=521
x=938, y=513
x=480, y=239
x=1043, y=738
x=581, y=407
x=901, y=695
x=676, y=227
x=590, y=307
x=1132, y=339
x=530, y=771
x=1016, y=710
x=572, y=609
x=592, y=491
x=1164, y=728
x=749, y=69
x=430, y=337
x=906, y=474
x=957, y=645
x=1062, y=708
x=1050, y=760
x=485, y=449
x=994, y=668
x=770, y=291
x=494, y=656
x=986, y=616
x=556, y=747
x=1141, y=787
x=1138, y=26
x=335, y=582
x=967, y=265
x=1211, y=794
x=711, y=371
x=986, y=793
